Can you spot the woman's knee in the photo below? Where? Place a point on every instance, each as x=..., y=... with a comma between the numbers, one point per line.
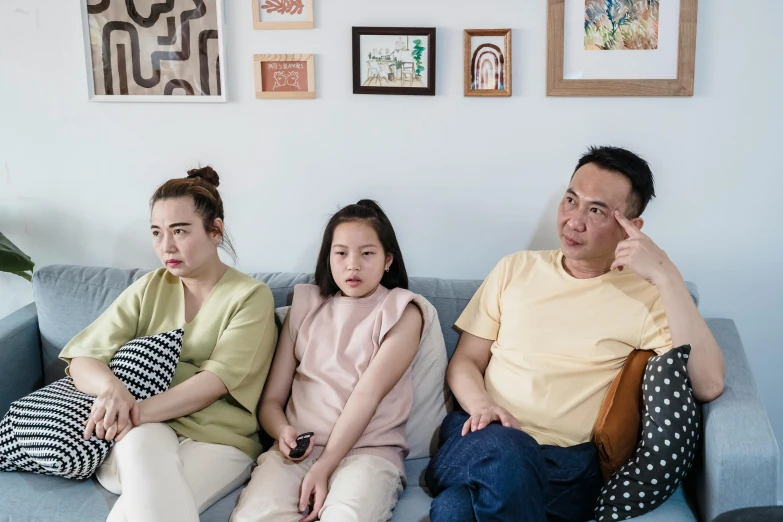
x=150, y=440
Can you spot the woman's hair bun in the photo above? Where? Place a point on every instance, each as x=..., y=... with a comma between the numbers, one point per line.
x=208, y=174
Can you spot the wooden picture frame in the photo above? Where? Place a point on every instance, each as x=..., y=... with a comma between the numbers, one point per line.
x=284, y=72
x=406, y=56
x=306, y=22
x=487, y=69
x=682, y=85
x=111, y=32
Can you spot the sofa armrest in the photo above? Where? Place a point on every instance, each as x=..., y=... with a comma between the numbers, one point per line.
x=21, y=371
x=740, y=456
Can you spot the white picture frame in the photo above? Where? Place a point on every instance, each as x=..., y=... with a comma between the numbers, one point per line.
x=219, y=66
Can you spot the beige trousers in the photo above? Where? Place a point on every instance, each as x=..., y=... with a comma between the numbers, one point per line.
x=363, y=488
x=162, y=477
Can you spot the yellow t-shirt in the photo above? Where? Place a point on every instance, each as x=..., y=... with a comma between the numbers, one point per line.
x=233, y=336
x=559, y=341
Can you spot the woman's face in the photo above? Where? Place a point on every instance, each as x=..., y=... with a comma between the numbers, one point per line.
x=357, y=259
x=179, y=238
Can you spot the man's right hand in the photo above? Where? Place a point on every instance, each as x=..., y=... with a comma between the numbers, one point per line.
x=111, y=412
x=486, y=414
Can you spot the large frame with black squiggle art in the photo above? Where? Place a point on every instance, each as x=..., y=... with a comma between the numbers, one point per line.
x=171, y=51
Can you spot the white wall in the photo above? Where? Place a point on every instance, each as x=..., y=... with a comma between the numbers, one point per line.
x=478, y=178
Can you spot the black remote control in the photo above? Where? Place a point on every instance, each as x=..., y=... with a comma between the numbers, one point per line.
x=302, y=442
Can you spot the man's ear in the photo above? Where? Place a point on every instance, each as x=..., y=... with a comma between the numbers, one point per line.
x=638, y=222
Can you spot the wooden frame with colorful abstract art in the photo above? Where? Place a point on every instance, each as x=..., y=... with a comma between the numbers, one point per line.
x=283, y=14
x=284, y=76
x=487, y=62
x=621, y=47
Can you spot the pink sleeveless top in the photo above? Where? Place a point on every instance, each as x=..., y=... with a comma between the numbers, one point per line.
x=335, y=340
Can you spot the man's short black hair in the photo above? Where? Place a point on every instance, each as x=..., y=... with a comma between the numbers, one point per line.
x=625, y=162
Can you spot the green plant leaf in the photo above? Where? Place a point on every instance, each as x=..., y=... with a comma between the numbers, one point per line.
x=12, y=259
x=27, y=276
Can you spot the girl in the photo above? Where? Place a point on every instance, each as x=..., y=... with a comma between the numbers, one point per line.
x=344, y=358
x=179, y=452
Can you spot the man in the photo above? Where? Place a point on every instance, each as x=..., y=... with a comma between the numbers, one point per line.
x=541, y=341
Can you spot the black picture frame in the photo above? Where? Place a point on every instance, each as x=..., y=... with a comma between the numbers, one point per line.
x=429, y=32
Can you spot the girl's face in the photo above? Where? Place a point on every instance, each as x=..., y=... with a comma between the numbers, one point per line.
x=357, y=259
x=179, y=238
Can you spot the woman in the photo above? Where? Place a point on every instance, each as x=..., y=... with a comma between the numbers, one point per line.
x=179, y=452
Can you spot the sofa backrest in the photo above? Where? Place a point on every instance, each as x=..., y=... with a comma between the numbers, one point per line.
x=70, y=297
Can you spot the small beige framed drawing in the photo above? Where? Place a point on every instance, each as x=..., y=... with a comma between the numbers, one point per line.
x=284, y=76
x=487, y=58
x=283, y=14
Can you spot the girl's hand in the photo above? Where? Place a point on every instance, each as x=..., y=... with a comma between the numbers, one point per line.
x=313, y=492
x=287, y=442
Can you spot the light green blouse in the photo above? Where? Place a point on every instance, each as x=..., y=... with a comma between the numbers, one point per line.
x=232, y=336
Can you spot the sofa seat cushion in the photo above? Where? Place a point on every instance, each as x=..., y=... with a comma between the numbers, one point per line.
x=27, y=497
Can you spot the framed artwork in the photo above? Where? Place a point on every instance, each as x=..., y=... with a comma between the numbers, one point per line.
x=487, y=58
x=173, y=51
x=283, y=14
x=394, y=60
x=284, y=76
x=621, y=47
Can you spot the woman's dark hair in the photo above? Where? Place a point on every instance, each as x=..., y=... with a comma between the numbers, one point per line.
x=366, y=211
x=201, y=185
x=625, y=162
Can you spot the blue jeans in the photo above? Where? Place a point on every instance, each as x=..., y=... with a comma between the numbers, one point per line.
x=503, y=474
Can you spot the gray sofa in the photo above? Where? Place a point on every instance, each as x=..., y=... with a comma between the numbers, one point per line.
x=738, y=466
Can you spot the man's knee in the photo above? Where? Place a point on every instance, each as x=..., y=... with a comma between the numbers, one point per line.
x=451, y=425
x=509, y=460
x=508, y=444
x=455, y=504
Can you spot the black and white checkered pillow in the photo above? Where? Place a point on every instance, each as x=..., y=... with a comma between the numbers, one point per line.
x=667, y=448
x=42, y=432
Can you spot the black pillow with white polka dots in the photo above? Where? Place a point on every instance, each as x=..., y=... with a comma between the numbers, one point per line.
x=667, y=448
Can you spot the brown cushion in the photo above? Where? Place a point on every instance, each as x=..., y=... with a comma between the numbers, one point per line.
x=617, y=429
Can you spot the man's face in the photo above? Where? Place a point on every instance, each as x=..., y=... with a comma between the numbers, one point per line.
x=586, y=224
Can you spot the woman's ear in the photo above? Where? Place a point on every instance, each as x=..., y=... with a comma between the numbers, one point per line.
x=389, y=261
x=218, y=228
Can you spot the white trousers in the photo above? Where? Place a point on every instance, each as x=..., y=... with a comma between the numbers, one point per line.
x=363, y=488
x=162, y=477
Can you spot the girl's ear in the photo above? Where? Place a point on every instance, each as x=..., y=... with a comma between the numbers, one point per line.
x=389, y=261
